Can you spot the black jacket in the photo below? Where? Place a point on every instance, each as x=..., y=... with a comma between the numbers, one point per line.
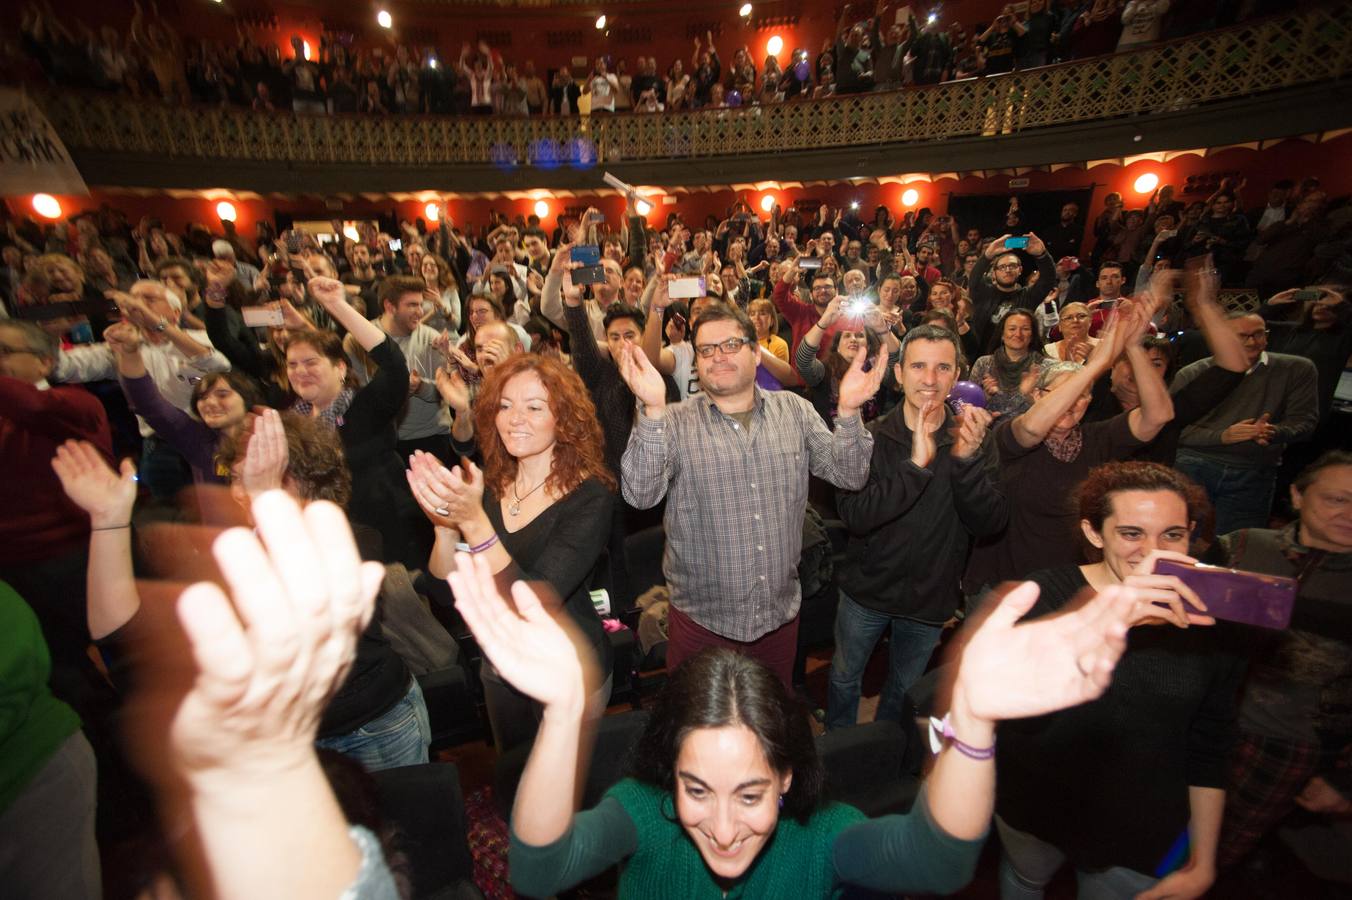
x=987, y=298
x=911, y=528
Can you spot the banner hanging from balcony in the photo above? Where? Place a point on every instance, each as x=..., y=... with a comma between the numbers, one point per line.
x=32, y=156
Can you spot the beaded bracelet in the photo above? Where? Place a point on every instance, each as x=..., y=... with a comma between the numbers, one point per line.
x=941, y=730
x=480, y=548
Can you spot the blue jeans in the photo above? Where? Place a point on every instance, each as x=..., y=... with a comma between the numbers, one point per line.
x=399, y=737
x=1027, y=863
x=857, y=631
x=1242, y=497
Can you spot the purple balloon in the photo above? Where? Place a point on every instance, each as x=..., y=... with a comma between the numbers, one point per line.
x=801, y=70
x=734, y=99
x=966, y=393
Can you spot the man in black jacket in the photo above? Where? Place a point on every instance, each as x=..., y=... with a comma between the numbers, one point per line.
x=931, y=488
x=1004, y=289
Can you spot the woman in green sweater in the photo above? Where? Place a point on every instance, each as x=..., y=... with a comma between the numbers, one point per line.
x=726, y=794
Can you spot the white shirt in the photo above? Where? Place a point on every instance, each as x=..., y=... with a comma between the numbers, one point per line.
x=685, y=374
x=173, y=373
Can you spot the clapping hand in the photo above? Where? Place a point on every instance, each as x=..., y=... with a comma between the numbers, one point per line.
x=92, y=485
x=972, y=424
x=922, y=438
x=451, y=385
x=642, y=378
x=447, y=497
x=857, y=387
x=266, y=456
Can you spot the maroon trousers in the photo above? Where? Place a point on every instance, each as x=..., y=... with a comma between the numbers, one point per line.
x=776, y=649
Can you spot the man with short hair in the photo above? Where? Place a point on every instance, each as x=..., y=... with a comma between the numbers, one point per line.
x=245, y=274
x=802, y=316
x=363, y=276
x=932, y=487
x=424, y=423
x=1066, y=236
x=494, y=342
x=1234, y=451
x=734, y=462
x=1111, y=279
x=1004, y=291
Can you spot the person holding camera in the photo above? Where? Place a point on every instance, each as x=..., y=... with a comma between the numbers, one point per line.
x=862, y=329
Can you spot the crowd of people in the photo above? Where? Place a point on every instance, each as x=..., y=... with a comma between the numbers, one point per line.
x=871, y=49
x=501, y=406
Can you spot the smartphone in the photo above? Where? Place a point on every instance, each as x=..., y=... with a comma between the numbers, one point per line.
x=685, y=288
x=589, y=275
x=396, y=245
x=292, y=242
x=809, y=262
x=262, y=316
x=1308, y=294
x=1236, y=596
x=587, y=255
x=1016, y=243
x=857, y=306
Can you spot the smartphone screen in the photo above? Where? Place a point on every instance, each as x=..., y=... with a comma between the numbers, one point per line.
x=587, y=255
x=685, y=288
x=589, y=275
x=262, y=316
x=810, y=262
x=1307, y=295
x=1236, y=596
x=1016, y=243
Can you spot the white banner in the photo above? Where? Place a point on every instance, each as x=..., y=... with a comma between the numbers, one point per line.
x=32, y=157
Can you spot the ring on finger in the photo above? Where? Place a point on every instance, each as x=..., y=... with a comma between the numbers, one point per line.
x=442, y=511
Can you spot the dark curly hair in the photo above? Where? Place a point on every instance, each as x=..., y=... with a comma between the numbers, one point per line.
x=240, y=383
x=579, y=448
x=315, y=461
x=1095, y=494
x=717, y=688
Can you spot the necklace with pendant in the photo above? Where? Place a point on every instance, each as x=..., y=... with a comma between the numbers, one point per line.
x=515, y=508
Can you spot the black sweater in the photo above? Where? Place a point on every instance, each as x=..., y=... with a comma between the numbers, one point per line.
x=987, y=298
x=1107, y=781
x=911, y=528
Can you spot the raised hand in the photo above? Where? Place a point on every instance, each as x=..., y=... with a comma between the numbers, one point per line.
x=857, y=387
x=529, y=647
x=266, y=457
x=92, y=485
x=328, y=292
x=451, y=385
x=922, y=438
x=643, y=379
x=1035, y=245
x=267, y=666
x=832, y=311
x=1164, y=599
x=1011, y=671
x=123, y=338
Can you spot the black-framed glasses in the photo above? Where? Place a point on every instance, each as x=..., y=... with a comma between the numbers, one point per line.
x=729, y=347
x=1005, y=267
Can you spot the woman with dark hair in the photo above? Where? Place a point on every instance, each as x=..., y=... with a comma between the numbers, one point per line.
x=1008, y=373
x=222, y=401
x=726, y=796
x=364, y=418
x=863, y=332
x=1139, y=774
x=540, y=510
x=1047, y=450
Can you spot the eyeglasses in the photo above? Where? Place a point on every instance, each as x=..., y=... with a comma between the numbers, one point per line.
x=10, y=351
x=1254, y=336
x=1075, y=317
x=729, y=347
x=1006, y=267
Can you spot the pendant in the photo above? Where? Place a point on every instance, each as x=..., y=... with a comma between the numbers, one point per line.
x=514, y=509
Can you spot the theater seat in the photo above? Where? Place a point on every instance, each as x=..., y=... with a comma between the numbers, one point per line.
x=425, y=804
x=869, y=766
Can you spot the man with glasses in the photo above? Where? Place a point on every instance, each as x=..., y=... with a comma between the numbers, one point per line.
x=992, y=297
x=733, y=462
x=801, y=315
x=1234, y=451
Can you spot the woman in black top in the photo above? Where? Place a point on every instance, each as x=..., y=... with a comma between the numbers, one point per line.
x=364, y=418
x=1130, y=787
x=540, y=510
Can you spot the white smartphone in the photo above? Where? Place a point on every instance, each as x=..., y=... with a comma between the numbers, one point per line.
x=263, y=316
x=685, y=288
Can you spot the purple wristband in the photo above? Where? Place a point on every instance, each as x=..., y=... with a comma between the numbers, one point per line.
x=941, y=731
x=485, y=545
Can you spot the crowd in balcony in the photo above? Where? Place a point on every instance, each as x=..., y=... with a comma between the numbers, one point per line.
x=871, y=50
x=480, y=416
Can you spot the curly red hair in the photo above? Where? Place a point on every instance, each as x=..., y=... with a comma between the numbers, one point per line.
x=578, y=448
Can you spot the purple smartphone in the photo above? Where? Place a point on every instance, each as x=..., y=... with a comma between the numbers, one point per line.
x=1247, y=597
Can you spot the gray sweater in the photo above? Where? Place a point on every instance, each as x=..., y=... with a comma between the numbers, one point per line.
x=1285, y=387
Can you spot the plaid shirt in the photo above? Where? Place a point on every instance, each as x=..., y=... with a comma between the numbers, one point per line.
x=734, y=518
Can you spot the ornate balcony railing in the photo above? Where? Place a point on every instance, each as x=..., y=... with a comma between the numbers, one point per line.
x=1305, y=47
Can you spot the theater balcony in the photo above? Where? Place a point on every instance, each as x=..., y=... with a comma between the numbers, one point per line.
x=1269, y=78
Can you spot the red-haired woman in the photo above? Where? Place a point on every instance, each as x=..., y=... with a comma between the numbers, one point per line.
x=539, y=511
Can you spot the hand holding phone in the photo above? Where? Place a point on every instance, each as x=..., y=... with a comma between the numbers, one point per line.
x=1016, y=243
x=1250, y=598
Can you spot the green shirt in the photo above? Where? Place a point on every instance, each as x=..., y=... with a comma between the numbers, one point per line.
x=635, y=825
x=33, y=723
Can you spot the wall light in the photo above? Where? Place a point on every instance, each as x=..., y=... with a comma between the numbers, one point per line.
x=384, y=19
x=305, y=49
x=774, y=45
x=910, y=197
x=225, y=211
x=1147, y=183
x=768, y=202
x=432, y=213
x=643, y=207
x=47, y=206
x=600, y=22
x=745, y=10
x=350, y=232
x=541, y=208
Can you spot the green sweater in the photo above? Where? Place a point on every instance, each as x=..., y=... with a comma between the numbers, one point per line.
x=33, y=723
x=634, y=825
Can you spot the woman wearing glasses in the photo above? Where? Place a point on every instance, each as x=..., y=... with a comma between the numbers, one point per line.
x=1075, y=342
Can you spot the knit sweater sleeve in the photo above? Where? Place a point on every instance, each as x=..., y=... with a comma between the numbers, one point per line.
x=1213, y=732
x=905, y=854
x=600, y=838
